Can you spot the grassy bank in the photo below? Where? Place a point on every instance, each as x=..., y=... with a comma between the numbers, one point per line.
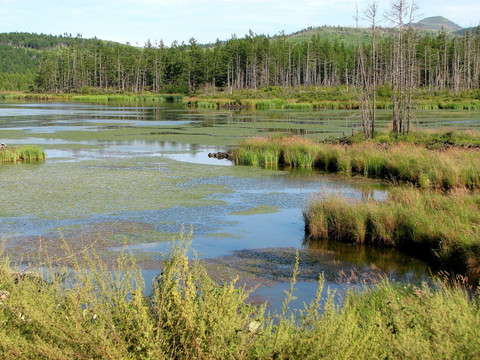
x=9, y=155
x=427, y=138
x=277, y=97
x=329, y=98
x=441, y=227
x=400, y=161
x=158, y=98
x=94, y=313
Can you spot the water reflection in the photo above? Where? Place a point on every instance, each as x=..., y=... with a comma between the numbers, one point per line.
x=396, y=264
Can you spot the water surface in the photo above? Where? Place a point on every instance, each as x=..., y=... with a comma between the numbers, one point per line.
x=136, y=174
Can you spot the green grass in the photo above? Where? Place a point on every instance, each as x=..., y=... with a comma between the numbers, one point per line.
x=437, y=226
x=334, y=98
x=158, y=98
x=29, y=153
x=207, y=105
x=436, y=139
x=277, y=97
x=92, y=312
x=399, y=161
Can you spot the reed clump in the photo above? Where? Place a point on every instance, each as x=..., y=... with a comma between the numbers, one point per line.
x=441, y=227
x=87, y=311
x=401, y=161
x=10, y=155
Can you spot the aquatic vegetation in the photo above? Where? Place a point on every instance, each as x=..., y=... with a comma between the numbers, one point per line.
x=439, y=227
x=262, y=209
x=207, y=105
x=9, y=155
x=126, y=97
x=333, y=98
x=92, y=312
x=416, y=164
x=432, y=139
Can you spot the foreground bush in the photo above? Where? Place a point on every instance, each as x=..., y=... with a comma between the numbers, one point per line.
x=401, y=161
x=440, y=227
x=89, y=312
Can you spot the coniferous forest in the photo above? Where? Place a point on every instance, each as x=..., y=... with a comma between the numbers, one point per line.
x=66, y=63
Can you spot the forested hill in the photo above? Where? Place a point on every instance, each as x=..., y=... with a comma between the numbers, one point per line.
x=330, y=57
x=46, y=42
x=437, y=23
x=21, y=55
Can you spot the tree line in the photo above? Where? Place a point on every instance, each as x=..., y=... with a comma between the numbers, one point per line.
x=73, y=64
x=437, y=62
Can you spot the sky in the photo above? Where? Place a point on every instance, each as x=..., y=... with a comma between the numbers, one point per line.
x=136, y=21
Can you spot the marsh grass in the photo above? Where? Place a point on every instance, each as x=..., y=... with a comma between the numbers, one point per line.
x=401, y=161
x=157, y=98
x=440, y=227
x=84, y=310
x=276, y=97
x=11, y=155
x=207, y=105
x=338, y=97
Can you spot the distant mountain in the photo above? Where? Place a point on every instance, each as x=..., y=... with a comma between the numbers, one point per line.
x=437, y=23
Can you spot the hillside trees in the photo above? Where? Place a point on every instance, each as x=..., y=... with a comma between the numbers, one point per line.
x=435, y=62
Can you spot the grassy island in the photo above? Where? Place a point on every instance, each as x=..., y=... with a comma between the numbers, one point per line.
x=9, y=155
x=426, y=160
x=439, y=227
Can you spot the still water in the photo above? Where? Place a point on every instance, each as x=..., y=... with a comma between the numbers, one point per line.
x=136, y=174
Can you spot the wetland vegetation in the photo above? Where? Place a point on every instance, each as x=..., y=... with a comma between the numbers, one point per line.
x=102, y=199
x=387, y=157
x=132, y=165
x=28, y=154
x=439, y=227
x=92, y=313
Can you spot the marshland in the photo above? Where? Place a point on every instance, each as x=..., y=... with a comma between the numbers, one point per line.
x=343, y=225
x=126, y=177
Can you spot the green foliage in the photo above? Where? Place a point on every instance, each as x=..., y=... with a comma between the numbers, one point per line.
x=391, y=158
x=29, y=153
x=266, y=68
x=86, y=310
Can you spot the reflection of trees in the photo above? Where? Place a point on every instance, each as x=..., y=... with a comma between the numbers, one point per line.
x=389, y=260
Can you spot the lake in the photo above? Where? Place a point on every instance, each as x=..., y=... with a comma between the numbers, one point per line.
x=119, y=174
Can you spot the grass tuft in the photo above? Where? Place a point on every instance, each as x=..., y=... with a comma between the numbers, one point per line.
x=412, y=160
x=9, y=155
x=439, y=227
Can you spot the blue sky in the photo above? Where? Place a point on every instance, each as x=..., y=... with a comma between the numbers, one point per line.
x=137, y=21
